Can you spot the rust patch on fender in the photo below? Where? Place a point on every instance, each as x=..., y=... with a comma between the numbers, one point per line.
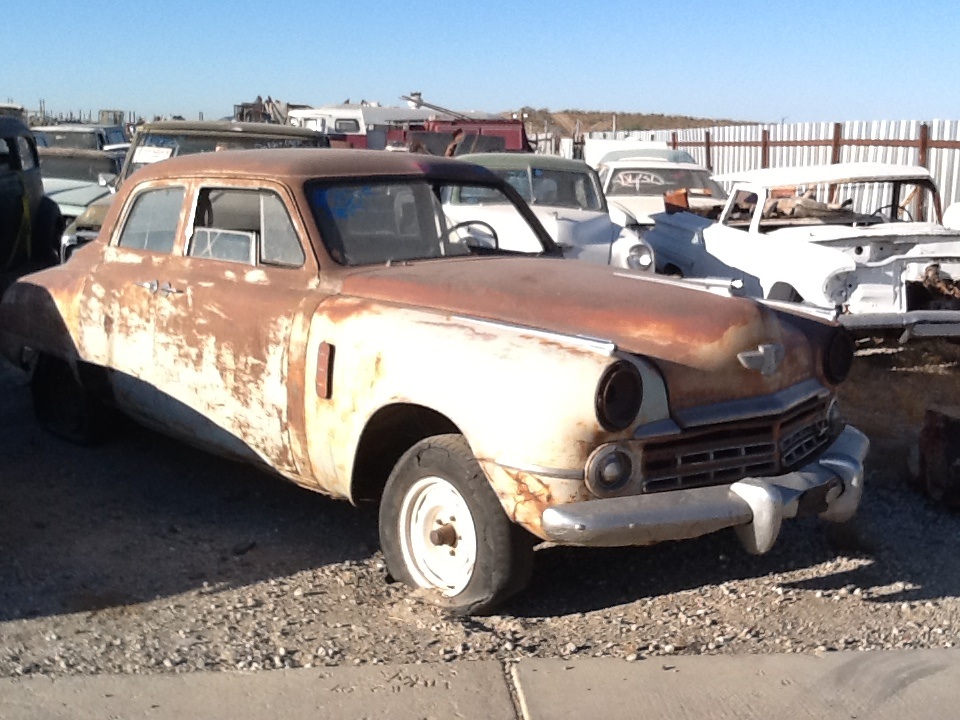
x=525, y=496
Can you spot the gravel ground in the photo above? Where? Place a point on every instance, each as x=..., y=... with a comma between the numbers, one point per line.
x=144, y=556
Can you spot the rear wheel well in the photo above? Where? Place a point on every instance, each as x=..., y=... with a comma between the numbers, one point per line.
x=391, y=431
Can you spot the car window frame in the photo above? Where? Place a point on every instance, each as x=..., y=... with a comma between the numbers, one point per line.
x=310, y=262
x=220, y=184
x=131, y=201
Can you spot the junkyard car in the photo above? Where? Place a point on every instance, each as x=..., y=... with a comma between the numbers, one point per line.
x=71, y=177
x=30, y=223
x=171, y=138
x=316, y=313
x=78, y=136
x=566, y=198
x=847, y=238
x=635, y=188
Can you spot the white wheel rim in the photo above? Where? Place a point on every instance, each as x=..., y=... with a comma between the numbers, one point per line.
x=432, y=504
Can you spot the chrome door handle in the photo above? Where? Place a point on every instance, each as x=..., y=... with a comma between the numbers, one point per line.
x=169, y=289
x=150, y=285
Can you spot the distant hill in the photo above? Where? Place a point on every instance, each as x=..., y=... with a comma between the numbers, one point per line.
x=565, y=121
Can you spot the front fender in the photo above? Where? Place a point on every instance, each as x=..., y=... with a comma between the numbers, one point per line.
x=522, y=398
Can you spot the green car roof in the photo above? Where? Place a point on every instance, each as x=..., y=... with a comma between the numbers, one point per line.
x=519, y=161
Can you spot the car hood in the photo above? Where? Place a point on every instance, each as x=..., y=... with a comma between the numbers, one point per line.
x=75, y=193
x=691, y=335
x=641, y=207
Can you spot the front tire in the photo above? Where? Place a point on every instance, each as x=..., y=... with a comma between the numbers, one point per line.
x=443, y=529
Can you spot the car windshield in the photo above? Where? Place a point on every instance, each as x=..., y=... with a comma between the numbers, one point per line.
x=852, y=204
x=75, y=139
x=397, y=220
x=153, y=146
x=558, y=188
x=657, y=181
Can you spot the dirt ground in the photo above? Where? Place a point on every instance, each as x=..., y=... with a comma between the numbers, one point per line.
x=144, y=555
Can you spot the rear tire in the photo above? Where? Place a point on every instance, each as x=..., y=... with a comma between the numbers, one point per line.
x=443, y=529
x=63, y=406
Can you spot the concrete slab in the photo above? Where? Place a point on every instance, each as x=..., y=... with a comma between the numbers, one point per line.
x=468, y=690
x=889, y=685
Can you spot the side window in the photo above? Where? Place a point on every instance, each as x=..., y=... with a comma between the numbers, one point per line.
x=346, y=126
x=242, y=226
x=741, y=210
x=7, y=160
x=279, y=242
x=152, y=223
x=28, y=156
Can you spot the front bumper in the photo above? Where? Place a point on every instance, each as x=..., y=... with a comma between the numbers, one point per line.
x=830, y=487
x=911, y=324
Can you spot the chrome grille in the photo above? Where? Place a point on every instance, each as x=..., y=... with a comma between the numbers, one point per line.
x=731, y=451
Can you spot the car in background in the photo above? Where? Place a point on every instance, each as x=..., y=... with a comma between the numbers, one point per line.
x=72, y=179
x=30, y=223
x=315, y=313
x=861, y=241
x=566, y=198
x=635, y=188
x=77, y=136
x=161, y=140
x=669, y=154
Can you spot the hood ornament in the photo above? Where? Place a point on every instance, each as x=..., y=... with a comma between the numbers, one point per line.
x=765, y=359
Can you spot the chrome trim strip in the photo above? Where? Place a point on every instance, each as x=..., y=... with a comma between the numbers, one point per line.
x=558, y=473
x=597, y=345
x=766, y=405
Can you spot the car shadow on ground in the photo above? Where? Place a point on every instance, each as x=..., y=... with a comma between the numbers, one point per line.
x=142, y=516
x=912, y=563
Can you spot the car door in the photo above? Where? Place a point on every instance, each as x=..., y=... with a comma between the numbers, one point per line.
x=121, y=312
x=227, y=310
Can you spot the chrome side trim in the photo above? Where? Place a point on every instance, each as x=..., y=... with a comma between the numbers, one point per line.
x=597, y=345
x=734, y=410
x=559, y=473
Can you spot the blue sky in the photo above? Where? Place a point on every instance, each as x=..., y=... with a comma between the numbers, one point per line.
x=750, y=60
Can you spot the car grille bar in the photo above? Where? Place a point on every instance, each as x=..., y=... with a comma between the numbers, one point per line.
x=729, y=452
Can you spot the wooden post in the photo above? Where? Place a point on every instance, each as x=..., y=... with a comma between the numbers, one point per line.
x=765, y=149
x=673, y=140
x=707, y=150
x=923, y=146
x=837, y=143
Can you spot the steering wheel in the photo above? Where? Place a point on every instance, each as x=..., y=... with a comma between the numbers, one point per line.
x=467, y=223
x=893, y=206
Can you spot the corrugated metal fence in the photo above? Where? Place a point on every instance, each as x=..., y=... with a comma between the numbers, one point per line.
x=934, y=144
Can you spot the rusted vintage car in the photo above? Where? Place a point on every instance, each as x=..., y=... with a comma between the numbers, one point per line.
x=316, y=313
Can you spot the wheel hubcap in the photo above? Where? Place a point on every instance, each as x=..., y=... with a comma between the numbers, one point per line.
x=437, y=536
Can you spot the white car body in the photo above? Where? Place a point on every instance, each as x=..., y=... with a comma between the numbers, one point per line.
x=565, y=196
x=635, y=186
x=818, y=234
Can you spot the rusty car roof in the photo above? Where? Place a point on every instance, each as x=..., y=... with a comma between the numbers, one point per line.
x=306, y=163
